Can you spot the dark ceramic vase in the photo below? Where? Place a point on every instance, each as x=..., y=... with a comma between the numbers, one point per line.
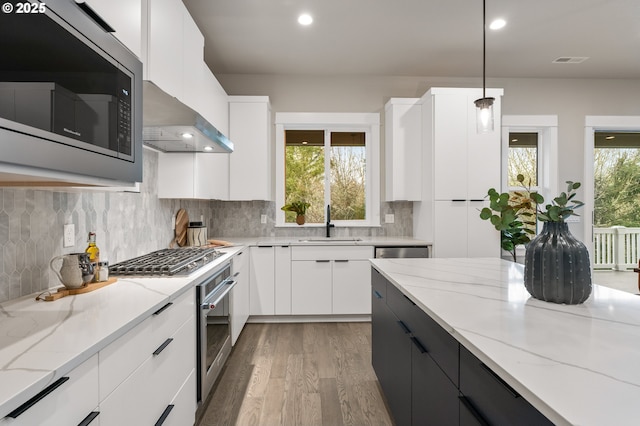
x=556, y=266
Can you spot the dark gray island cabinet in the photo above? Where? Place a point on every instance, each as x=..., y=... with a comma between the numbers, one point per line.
x=428, y=377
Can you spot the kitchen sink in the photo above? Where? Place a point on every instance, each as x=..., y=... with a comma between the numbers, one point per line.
x=328, y=240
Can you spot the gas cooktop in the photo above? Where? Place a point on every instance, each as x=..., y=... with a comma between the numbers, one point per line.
x=166, y=262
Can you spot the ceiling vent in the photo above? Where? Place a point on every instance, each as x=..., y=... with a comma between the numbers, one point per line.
x=570, y=59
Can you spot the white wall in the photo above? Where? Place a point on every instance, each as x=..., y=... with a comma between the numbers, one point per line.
x=570, y=99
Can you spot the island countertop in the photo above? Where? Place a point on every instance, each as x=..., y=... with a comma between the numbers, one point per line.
x=577, y=364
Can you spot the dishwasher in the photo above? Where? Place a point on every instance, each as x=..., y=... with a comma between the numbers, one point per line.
x=404, y=252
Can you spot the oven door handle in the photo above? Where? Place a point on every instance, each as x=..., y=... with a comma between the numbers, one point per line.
x=216, y=297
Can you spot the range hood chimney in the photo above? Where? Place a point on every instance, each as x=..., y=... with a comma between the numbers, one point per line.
x=171, y=126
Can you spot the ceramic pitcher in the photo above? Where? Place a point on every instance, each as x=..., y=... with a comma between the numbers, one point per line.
x=74, y=270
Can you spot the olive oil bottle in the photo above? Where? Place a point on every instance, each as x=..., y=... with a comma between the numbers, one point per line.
x=94, y=254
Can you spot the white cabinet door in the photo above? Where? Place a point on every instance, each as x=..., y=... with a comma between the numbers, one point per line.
x=216, y=102
x=483, y=238
x=351, y=287
x=176, y=177
x=450, y=232
x=250, y=163
x=184, y=404
x=125, y=17
x=67, y=404
x=262, y=276
x=403, y=147
x=450, y=147
x=283, y=280
x=311, y=292
x=192, y=64
x=164, y=45
x=240, y=302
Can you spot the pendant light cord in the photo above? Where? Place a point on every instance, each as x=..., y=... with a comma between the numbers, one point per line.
x=484, y=47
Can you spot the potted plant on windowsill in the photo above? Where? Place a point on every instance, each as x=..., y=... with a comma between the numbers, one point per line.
x=299, y=208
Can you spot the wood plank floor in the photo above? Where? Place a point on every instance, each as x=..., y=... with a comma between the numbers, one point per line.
x=299, y=374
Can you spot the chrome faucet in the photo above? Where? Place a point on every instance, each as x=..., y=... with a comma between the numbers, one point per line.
x=329, y=224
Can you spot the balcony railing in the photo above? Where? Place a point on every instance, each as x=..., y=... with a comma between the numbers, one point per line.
x=616, y=248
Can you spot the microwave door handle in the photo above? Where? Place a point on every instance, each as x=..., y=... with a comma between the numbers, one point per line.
x=228, y=285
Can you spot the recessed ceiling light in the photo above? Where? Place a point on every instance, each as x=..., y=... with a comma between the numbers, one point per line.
x=610, y=137
x=304, y=142
x=208, y=148
x=497, y=24
x=186, y=135
x=305, y=19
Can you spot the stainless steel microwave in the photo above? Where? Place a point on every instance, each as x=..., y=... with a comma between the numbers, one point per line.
x=70, y=94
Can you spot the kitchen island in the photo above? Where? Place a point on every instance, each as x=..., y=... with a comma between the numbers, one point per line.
x=574, y=364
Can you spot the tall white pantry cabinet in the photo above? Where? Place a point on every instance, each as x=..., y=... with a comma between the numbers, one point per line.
x=460, y=165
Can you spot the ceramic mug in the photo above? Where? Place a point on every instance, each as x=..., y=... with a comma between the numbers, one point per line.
x=74, y=271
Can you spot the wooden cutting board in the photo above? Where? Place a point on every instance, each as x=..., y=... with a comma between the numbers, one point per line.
x=182, y=223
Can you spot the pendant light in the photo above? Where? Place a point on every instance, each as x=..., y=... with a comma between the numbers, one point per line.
x=484, y=105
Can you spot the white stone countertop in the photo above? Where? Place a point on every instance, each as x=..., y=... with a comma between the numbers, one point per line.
x=42, y=341
x=336, y=240
x=577, y=364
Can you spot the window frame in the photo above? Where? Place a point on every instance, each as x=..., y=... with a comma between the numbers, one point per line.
x=546, y=126
x=369, y=123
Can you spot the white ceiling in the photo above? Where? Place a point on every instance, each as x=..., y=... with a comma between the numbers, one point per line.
x=421, y=37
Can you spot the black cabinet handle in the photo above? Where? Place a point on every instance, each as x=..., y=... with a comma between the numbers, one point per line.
x=163, y=346
x=265, y=246
x=416, y=342
x=499, y=379
x=284, y=246
x=341, y=260
x=480, y=200
x=323, y=261
x=404, y=327
x=87, y=420
x=475, y=413
x=161, y=310
x=39, y=396
x=164, y=415
x=378, y=295
x=458, y=200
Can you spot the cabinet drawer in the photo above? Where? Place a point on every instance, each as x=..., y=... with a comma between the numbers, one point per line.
x=124, y=356
x=491, y=398
x=184, y=404
x=440, y=345
x=75, y=396
x=331, y=252
x=143, y=396
x=378, y=285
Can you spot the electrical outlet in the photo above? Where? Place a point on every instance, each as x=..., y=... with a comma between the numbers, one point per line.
x=263, y=218
x=389, y=218
x=69, y=235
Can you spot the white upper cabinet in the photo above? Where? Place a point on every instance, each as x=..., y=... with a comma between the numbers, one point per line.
x=163, y=44
x=250, y=164
x=193, y=66
x=193, y=176
x=466, y=164
x=125, y=17
x=403, y=147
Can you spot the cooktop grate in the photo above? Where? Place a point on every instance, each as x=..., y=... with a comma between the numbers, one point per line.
x=179, y=261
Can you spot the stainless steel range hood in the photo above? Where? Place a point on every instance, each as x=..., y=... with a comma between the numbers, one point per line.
x=171, y=126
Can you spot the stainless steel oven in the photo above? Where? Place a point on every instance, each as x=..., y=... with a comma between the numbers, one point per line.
x=213, y=328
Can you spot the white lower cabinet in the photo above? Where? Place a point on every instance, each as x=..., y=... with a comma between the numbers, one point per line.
x=351, y=287
x=142, y=373
x=330, y=280
x=270, y=282
x=311, y=287
x=67, y=401
x=262, y=272
x=184, y=403
x=240, y=302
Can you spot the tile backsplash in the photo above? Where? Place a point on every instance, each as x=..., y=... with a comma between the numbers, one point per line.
x=129, y=225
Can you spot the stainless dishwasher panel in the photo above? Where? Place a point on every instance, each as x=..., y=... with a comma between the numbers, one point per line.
x=396, y=252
